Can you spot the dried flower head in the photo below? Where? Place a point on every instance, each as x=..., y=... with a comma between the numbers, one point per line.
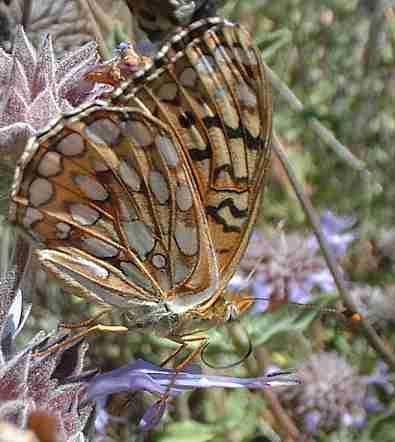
x=30, y=383
x=376, y=304
x=332, y=394
x=35, y=88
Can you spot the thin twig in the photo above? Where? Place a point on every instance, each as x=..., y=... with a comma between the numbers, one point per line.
x=26, y=14
x=369, y=331
x=102, y=48
x=182, y=407
x=263, y=360
x=325, y=134
x=284, y=420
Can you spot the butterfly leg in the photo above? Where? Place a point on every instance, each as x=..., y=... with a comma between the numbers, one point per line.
x=94, y=329
x=173, y=355
x=183, y=344
x=197, y=351
x=179, y=367
x=85, y=324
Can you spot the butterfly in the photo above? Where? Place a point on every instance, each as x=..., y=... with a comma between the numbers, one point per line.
x=144, y=202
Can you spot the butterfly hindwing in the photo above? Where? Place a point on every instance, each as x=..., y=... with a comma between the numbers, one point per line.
x=112, y=194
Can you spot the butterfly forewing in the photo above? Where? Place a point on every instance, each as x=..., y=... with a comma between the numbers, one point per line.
x=215, y=97
x=114, y=186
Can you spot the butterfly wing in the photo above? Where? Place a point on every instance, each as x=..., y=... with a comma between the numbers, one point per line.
x=208, y=84
x=160, y=17
x=155, y=203
x=112, y=197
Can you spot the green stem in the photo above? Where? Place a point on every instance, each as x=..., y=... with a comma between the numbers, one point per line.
x=254, y=367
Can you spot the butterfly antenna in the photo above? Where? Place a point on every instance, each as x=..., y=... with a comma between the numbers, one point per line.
x=253, y=270
x=233, y=364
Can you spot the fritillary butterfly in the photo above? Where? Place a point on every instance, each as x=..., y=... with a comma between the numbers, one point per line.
x=145, y=202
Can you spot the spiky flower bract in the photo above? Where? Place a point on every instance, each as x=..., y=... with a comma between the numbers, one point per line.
x=33, y=387
x=331, y=395
x=36, y=88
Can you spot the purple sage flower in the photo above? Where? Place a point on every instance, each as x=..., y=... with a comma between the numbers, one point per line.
x=168, y=384
x=381, y=379
x=331, y=394
x=336, y=231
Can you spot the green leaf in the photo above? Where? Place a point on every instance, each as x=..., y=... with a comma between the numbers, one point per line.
x=381, y=427
x=190, y=431
x=264, y=326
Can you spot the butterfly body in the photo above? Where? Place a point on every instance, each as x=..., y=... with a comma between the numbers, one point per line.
x=145, y=202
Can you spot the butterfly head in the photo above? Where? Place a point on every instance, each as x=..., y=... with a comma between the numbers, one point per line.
x=228, y=307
